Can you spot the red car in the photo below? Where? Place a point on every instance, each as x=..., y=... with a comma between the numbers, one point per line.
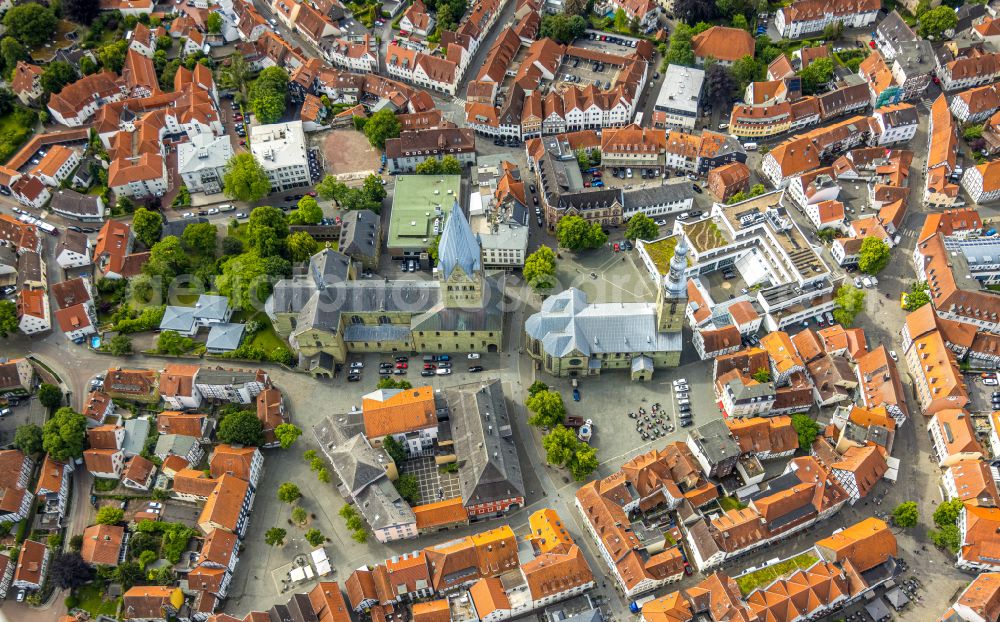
x=586, y=184
x=616, y=247
x=401, y=365
x=312, y=194
x=597, y=174
x=243, y=143
x=429, y=366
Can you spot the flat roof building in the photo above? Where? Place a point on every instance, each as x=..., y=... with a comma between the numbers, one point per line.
x=420, y=206
x=281, y=150
x=679, y=97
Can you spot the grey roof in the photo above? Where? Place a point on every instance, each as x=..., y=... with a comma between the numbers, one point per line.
x=176, y=444
x=382, y=506
x=29, y=267
x=72, y=241
x=642, y=363
x=8, y=257
x=488, y=317
x=590, y=199
x=225, y=336
x=681, y=90
x=915, y=57
x=180, y=319
x=210, y=377
x=374, y=334
x=357, y=463
x=742, y=391
x=76, y=204
x=359, y=233
x=967, y=14
x=210, y=307
x=894, y=30
x=323, y=309
x=458, y=247
x=480, y=425
x=901, y=117
x=136, y=432
x=328, y=266
x=566, y=323
x=590, y=615
x=715, y=441
x=641, y=198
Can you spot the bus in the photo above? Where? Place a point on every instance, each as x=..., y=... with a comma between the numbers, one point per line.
x=46, y=227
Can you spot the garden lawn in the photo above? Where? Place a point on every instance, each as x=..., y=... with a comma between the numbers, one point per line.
x=731, y=503
x=266, y=337
x=90, y=598
x=16, y=128
x=760, y=578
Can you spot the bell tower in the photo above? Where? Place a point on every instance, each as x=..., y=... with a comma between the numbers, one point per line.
x=671, y=297
x=460, y=263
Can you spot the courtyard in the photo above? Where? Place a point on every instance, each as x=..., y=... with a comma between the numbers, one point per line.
x=435, y=485
x=347, y=154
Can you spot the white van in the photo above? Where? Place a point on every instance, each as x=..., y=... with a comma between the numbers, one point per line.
x=750, y=146
x=226, y=207
x=683, y=402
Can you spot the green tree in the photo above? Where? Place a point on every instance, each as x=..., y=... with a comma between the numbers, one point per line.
x=973, y=132
x=833, y=31
x=540, y=268
x=621, y=20
x=946, y=537
x=374, y=191
x=323, y=475
x=547, y=409
x=287, y=433
x=762, y=375
x=430, y=166
x=757, y=190
x=849, y=301
x=947, y=512
x=110, y=515
x=12, y=51
x=537, y=387
x=56, y=75
x=432, y=248
x=64, y=435
x=167, y=259
x=299, y=515
x=740, y=21
x=360, y=536
x=329, y=189
x=232, y=245
x=315, y=537
x=560, y=445
x=818, y=73
x=120, y=345
x=806, y=428
x=241, y=427
x=408, y=488
x=80, y=11
x=679, y=50
x=235, y=74
x=50, y=396
x=28, y=438
x=745, y=71
x=247, y=280
x=874, y=255
x=917, y=297
x=641, y=227
x=172, y=342
x=302, y=246
x=112, y=55
x=146, y=558
x=245, y=178
x=31, y=23
x=391, y=383
x=268, y=94
x=450, y=166
x=575, y=233
x=147, y=226
x=906, y=515
x=214, y=23
x=395, y=449
x=289, y=493
x=382, y=126
x=933, y=23
x=275, y=536
x=8, y=318
x=719, y=84
x=200, y=238
x=68, y=571
x=584, y=462
x=308, y=212
x=266, y=230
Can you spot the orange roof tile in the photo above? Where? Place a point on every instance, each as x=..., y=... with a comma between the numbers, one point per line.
x=398, y=411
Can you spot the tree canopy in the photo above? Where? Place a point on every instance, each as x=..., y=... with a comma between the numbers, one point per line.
x=50, y=395
x=56, y=75
x=641, y=227
x=719, y=84
x=448, y=165
x=934, y=22
x=247, y=279
x=81, y=11
x=408, y=488
x=64, y=435
x=200, y=238
x=268, y=93
x=110, y=515
x=32, y=24
x=68, y=571
x=807, y=429
x=874, y=255
x=906, y=514
x=849, y=301
x=547, y=409
x=275, y=536
x=8, y=318
x=575, y=233
x=147, y=226
x=245, y=178
x=287, y=433
x=563, y=28
x=301, y=246
x=28, y=438
x=289, y=493
x=562, y=448
x=540, y=268
x=241, y=427
x=818, y=73
x=382, y=126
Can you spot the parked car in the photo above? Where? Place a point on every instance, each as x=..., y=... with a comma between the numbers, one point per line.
x=475, y=369
x=473, y=356
x=576, y=395
x=427, y=372
x=357, y=365
x=354, y=378
x=443, y=372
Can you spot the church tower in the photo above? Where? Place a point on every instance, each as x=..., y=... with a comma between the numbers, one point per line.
x=460, y=263
x=671, y=299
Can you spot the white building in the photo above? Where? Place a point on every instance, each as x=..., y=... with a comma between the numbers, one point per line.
x=201, y=161
x=281, y=150
x=896, y=124
x=679, y=98
x=982, y=182
x=73, y=251
x=803, y=17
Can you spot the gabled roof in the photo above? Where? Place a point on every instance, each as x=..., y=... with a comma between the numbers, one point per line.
x=723, y=43
x=102, y=544
x=459, y=247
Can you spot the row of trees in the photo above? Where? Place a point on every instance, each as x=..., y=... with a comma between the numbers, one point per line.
x=369, y=196
x=562, y=448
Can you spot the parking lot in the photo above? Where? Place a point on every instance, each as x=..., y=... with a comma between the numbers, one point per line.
x=578, y=72
x=981, y=395
x=29, y=410
x=610, y=44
